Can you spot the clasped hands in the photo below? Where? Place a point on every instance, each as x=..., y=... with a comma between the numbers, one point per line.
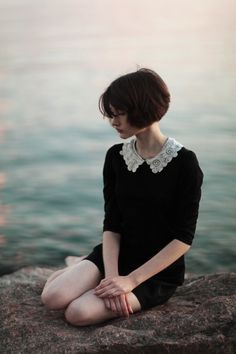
x=114, y=290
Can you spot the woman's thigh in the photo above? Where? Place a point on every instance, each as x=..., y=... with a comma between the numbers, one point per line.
x=70, y=284
x=89, y=309
x=55, y=275
x=60, y=271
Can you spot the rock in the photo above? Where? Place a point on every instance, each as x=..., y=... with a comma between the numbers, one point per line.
x=198, y=319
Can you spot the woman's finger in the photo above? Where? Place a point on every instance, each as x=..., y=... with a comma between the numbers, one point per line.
x=103, y=288
x=107, y=292
x=128, y=304
x=114, y=306
x=107, y=303
x=110, y=294
x=118, y=306
x=103, y=283
x=123, y=305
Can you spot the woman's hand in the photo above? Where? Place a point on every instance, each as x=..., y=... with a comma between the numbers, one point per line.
x=114, y=286
x=118, y=304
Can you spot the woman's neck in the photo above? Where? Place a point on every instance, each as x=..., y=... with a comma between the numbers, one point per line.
x=150, y=141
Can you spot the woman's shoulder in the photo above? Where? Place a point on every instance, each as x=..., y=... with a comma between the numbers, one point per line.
x=189, y=160
x=187, y=155
x=113, y=154
x=114, y=149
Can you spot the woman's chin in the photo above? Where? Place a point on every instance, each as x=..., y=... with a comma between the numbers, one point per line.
x=125, y=135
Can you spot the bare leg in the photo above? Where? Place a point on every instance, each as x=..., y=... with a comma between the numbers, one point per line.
x=89, y=309
x=71, y=283
x=54, y=275
x=70, y=261
x=73, y=287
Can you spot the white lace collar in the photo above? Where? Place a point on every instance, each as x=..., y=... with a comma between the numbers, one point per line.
x=133, y=160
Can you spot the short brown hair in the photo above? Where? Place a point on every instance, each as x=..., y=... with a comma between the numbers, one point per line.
x=143, y=95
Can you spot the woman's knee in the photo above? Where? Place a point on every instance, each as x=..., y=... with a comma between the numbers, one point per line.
x=77, y=314
x=53, y=300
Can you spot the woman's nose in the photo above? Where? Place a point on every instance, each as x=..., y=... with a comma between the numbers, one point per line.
x=115, y=122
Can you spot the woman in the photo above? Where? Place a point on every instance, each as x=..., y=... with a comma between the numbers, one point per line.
x=152, y=190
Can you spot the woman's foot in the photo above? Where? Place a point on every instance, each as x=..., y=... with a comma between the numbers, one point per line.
x=71, y=260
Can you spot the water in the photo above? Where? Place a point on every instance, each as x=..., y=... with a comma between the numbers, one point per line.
x=56, y=58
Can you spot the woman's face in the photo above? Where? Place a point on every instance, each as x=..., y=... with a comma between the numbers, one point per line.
x=120, y=122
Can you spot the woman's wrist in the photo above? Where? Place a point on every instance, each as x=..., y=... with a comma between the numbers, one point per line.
x=110, y=273
x=134, y=278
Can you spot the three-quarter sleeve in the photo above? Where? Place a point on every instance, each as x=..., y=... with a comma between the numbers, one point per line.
x=190, y=183
x=112, y=217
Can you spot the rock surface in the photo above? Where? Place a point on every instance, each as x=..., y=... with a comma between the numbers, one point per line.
x=198, y=319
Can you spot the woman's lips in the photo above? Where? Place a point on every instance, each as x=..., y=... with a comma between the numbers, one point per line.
x=119, y=130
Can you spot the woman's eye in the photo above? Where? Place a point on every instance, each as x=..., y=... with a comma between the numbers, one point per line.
x=114, y=115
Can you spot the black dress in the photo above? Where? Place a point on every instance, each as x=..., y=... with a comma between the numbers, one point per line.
x=150, y=203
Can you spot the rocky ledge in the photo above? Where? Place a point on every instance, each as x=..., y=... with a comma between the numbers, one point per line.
x=198, y=319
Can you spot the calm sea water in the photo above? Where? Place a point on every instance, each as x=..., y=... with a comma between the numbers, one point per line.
x=56, y=58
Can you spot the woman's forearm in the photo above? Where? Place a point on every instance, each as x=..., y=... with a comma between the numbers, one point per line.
x=111, y=248
x=168, y=255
